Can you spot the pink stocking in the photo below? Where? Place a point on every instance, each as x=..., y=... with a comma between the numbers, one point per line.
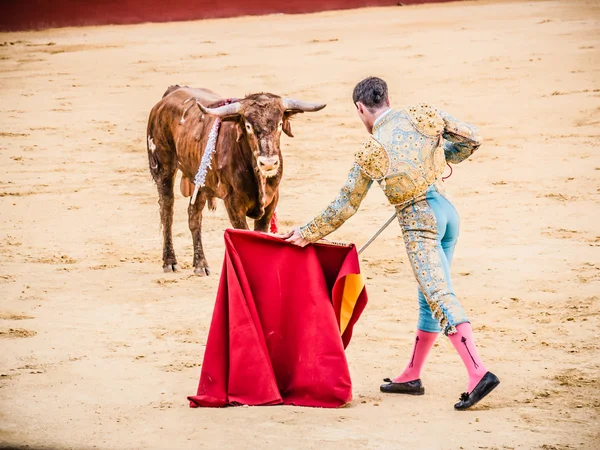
x=465, y=346
x=423, y=343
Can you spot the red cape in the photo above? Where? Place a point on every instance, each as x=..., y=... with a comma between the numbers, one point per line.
x=282, y=318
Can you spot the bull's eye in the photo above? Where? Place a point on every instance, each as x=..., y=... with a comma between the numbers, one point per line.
x=249, y=128
x=280, y=124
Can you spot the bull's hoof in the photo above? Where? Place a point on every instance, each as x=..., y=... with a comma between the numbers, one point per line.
x=202, y=271
x=168, y=268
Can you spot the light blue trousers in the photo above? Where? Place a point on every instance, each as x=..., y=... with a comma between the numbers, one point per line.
x=430, y=229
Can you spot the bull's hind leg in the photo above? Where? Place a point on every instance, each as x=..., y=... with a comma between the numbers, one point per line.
x=163, y=172
x=166, y=200
x=195, y=223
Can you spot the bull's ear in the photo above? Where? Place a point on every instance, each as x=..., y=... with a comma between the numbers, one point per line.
x=287, y=127
x=239, y=132
x=287, y=124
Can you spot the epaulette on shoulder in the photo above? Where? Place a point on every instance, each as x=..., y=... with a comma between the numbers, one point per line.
x=373, y=159
x=426, y=119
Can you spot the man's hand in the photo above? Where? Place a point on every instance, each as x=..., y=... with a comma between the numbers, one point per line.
x=294, y=237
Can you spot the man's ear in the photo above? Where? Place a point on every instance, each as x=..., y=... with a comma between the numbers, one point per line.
x=287, y=124
x=360, y=107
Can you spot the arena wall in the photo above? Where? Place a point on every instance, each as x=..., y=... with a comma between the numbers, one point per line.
x=39, y=14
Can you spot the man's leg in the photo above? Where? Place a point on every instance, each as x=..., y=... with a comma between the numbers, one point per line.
x=464, y=343
x=427, y=327
x=424, y=229
x=462, y=340
x=424, y=340
x=428, y=228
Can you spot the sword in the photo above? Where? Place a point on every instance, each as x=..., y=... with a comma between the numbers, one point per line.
x=385, y=225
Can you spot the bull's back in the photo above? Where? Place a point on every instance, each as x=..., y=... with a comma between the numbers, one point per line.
x=180, y=142
x=181, y=94
x=164, y=120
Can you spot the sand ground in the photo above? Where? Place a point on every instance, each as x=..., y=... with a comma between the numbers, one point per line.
x=99, y=348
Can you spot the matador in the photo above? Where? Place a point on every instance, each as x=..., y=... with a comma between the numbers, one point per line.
x=406, y=154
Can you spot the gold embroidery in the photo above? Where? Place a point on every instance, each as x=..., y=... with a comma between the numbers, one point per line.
x=419, y=229
x=462, y=139
x=415, y=160
x=426, y=119
x=341, y=208
x=404, y=155
x=455, y=130
x=373, y=159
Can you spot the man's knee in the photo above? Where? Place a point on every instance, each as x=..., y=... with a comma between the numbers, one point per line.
x=426, y=320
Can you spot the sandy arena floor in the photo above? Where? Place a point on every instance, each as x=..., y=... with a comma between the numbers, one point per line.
x=99, y=348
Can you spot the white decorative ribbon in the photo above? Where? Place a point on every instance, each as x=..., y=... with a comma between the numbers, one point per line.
x=205, y=163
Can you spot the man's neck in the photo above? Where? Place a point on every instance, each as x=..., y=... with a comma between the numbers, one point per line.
x=378, y=115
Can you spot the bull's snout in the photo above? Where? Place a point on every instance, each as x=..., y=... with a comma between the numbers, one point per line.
x=268, y=165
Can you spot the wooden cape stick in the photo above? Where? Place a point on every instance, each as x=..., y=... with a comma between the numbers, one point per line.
x=385, y=225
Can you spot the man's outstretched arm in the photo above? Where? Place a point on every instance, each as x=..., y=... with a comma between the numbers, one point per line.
x=343, y=207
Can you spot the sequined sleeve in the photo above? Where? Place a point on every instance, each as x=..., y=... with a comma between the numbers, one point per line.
x=341, y=208
x=462, y=139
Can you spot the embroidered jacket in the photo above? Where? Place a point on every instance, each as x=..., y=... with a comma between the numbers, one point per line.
x=406, y=154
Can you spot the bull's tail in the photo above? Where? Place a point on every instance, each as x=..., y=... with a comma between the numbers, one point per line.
x=153, y=160
x=152, y=148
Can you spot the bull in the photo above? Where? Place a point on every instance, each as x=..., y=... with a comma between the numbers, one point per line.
x=247, y=165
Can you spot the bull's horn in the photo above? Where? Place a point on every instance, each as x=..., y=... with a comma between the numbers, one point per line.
x=298, y=105
x=221, y=111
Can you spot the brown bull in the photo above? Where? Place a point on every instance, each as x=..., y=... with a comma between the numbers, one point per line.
x=247, y=165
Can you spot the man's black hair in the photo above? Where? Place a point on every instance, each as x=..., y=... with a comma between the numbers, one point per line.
x=371, y=92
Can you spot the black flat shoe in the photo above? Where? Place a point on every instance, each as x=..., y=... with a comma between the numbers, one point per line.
x=414, y=387
x=483, y=388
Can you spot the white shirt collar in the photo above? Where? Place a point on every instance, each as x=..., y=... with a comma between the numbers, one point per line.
x=389, y=110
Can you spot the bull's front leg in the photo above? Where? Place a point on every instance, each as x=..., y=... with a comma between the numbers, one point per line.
x=195, y=223
x=236, y=210
x=263, y=223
